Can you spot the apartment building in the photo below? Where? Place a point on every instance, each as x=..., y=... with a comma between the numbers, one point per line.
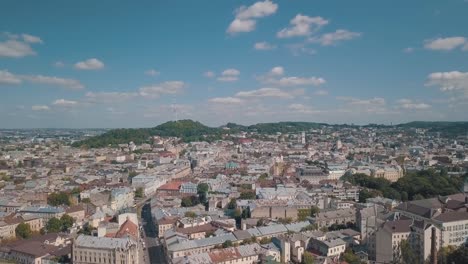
x=388, y=239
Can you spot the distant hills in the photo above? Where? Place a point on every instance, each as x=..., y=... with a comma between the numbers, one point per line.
x=189, y=131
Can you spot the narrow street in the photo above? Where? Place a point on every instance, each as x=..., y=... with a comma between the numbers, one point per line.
x=153, y=246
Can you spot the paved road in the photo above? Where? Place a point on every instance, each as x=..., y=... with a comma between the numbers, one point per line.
x=153, y=246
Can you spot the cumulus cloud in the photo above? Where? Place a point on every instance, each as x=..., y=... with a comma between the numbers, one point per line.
x=301, y=108
x=274, y=77
x=333, y=38
x=40, y=108
x=31, y=39
x=446, y=44
x=410, y=105
x=151, y=72
x=225, y=100
x=375, y=105
x=156, y=90
x=89, y=64
x=56, y=81
x=7, y=77
x=449, y=81
x=209, y=74
x=264, y=46
x=300, y=81
x=302, y=25
x=109, y=97
x=229, y=75
x=408, y=50
x=277, y=71
x=245, y=17
x=15, y=49
x=321, y=92
x=265, y=92
x=64, y=103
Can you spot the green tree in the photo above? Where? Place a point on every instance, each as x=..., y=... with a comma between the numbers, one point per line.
x=54, y=225
x=308, y=258
x=247, y=195
x=232, y=204
x=23, y=230
x=190, y=214
x=60, y=198
x=139, y=192
x=460, y=255
x=227, y=244
x=203, y=188
x=351, y=258
x=407, y=254
x=66, y=222
x=314, y=210
x=132, y=175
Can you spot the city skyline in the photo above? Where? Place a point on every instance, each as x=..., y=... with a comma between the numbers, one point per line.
x=87, y=64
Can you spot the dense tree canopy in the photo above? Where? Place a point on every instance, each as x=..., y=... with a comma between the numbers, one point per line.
x=60, y=198
x=414, y=185
x=23, y=230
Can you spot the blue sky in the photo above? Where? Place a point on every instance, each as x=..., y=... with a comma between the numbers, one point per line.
x=128, y=64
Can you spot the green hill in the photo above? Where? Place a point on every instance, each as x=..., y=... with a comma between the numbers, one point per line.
x=189, y=131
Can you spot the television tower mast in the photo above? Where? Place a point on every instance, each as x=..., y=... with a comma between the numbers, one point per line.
x=174, y=110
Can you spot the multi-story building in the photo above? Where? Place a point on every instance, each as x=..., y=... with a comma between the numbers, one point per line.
x=89, y=249
x=330, y=217
x=388, y=239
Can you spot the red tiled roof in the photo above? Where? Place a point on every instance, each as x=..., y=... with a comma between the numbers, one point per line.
x=127, y=228
x=171, y=186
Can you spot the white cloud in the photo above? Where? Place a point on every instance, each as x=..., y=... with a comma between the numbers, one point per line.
x=245, y=16
x=89, y=64
x=445, y=43
x=7, y=77
x=31, y=39
x=277, y=71
x=376, y=105
x=151, y=72
x=302, y=26
x=364, y=102
x=410, y=105
x=109, y=97
x=272, y=78
x=229, y=75
x=300, y=108
x=209, y=74
x=156, y=90
x=265, y=92
x=59, y=64
x=408, y=50
x=238, y=25
x=298, y=49
x=40, y=108
x=335, y=37
x=321, y=92
x=15, y=49
x=300, y=81
x=64, y=103
x=225, y=100
x=52, y=80
x=264, y=46
x=449, y=81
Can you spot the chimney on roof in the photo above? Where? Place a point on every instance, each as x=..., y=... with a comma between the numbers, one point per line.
x=433, y=246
